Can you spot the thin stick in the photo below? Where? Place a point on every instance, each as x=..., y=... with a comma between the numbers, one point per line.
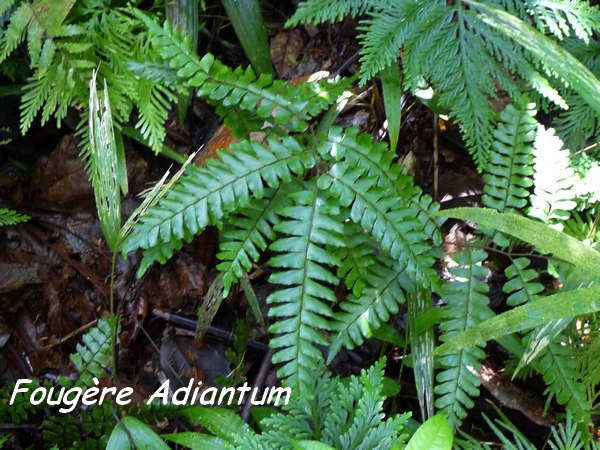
x=259, y=381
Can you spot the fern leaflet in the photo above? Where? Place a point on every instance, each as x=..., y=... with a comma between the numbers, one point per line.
x=301, y=308
x=467, y=305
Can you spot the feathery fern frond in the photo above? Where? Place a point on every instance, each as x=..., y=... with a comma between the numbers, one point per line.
x=467, y=305
x=553, y=179
x=432, y=31
x=247, y=233
x=580, y=124
x=205, y=195
x=319, y=11
x=302, y=306
x=510, y=165
x=564, y=18
x=344, y=413
x=10, y=217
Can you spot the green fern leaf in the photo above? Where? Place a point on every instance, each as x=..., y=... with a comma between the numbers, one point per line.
x=564, y=18
x=467, y=305
x=360, y=315
x=318, y=11
x=10, y=217
x=519, y=285
x=247, y=233
x=269, y=100
x=359, y=150
x=394, y=225
x=301, y=308
x=558, y=367
x=510, y=166
x=206, y=195
x=553, y=180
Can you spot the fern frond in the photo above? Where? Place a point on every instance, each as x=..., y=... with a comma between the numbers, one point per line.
x=266, y=99
x=558, y=367
x=510, y=165
x=205, y=195
x=519, y=284
x=10, y=217
x=247, y=233
x=394, y=225
x=388, y=28
x=467, y=305
x=566, y=17
x=360, y=150
x=580, y=124
x=360, y=314
x=344, y=413
x=319, y=11
x=302, y=307
x=553, y=179
x=93, y=357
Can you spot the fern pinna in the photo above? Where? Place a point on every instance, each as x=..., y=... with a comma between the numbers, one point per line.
x=451, y=47
x=285, y=193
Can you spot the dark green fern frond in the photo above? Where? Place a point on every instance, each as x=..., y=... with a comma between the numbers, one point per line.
x=10, y=217
x=360, y=315
x=265, y=98
x=301, y=308
x=246, y=234
x=205, y=195
x=467, y=301
x=510, y=165
x=553, y=179
x=395, y=226
x=360, y=150
x=319, y=11
x=558, y=367
x=519, y=285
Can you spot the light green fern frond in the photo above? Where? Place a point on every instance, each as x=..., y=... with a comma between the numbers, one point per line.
x=553, y=179
x=10, y=217
x=93, y=357
x=565, y=18
x=360, y=150
x=579, y=125
x=467, y=305
x=302, y=307
x=265, y=98
x=510, y=166
x=344, y=413
x=204, y=196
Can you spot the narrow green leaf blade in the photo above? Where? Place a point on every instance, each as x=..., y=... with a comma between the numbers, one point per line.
x=392, y=101
x=535, y=233
x=554, y=307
